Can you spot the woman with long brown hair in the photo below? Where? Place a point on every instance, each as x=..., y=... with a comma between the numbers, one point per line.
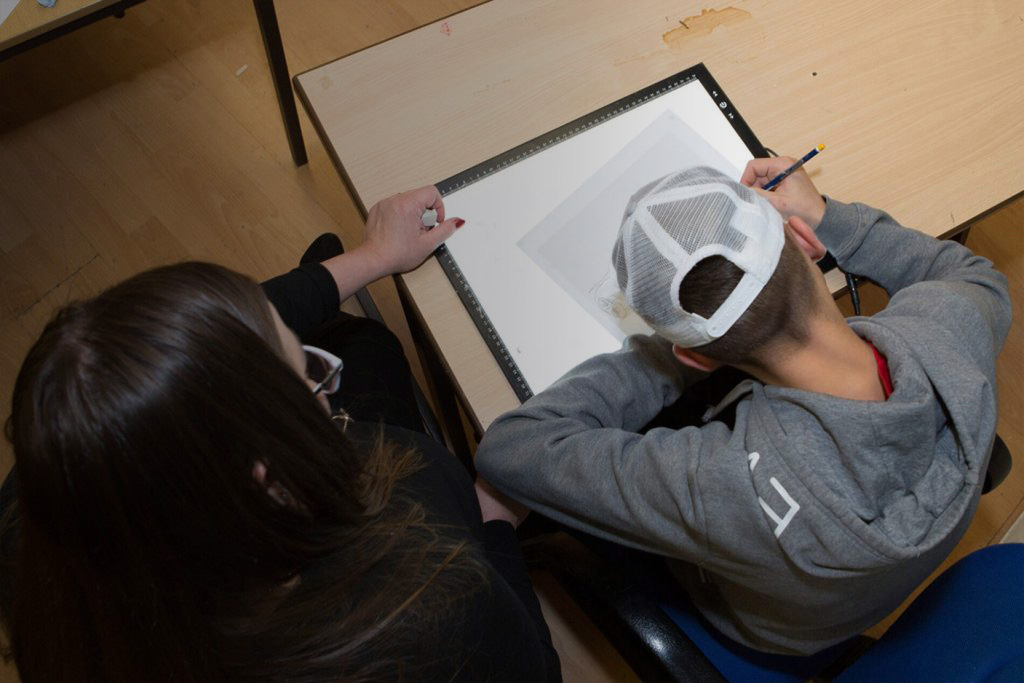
x=199, y=496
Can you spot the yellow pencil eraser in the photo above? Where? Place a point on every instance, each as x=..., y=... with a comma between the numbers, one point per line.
x=821, y=147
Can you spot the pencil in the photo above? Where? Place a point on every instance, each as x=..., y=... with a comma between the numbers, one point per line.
x=785, y=174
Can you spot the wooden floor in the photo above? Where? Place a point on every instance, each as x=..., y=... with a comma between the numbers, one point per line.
x=156, y=138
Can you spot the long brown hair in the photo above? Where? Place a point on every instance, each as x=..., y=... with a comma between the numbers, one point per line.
x=148, y=550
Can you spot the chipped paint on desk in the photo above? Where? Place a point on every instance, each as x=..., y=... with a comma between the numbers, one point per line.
x=703, y=24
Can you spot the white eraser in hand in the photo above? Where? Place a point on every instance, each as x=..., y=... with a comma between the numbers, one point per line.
x=429, y=218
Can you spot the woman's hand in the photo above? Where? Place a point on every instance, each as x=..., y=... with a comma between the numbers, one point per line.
x=396, y=241
x=395, y=236
x=794, y=196
x=496, y=505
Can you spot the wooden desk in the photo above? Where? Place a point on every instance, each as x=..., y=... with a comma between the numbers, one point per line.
x=921, y=106
x=30, y=23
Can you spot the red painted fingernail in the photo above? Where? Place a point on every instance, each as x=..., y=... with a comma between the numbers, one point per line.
x=459, y=222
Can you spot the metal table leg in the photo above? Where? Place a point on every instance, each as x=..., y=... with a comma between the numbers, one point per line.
x=279, y=73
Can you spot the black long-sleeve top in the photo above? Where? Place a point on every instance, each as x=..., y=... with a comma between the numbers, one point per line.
x=501, y=633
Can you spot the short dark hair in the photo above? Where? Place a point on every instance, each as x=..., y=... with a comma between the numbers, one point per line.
x=778, y=315
x=146, y=548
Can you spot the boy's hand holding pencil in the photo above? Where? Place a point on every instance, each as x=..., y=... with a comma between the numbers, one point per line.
x=793, y=194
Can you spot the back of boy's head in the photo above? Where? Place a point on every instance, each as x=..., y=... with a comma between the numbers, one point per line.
x=705, y=261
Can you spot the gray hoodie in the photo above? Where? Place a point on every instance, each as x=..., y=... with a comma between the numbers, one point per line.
x=814, y=516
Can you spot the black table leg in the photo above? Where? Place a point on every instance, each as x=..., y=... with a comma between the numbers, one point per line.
x=440, y=384
x=279, y=73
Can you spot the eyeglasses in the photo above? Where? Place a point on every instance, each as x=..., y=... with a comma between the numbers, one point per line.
x=323, y=368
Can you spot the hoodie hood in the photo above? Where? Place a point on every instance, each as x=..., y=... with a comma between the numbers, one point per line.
x=897, y=474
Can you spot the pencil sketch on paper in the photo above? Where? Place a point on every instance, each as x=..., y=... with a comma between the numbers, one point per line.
x=609, y=297
x=573, y=244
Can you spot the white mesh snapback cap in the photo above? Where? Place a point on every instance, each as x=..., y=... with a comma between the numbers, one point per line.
x=677, y=221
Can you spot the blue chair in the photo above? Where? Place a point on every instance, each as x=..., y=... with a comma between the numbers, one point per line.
x=968, y=625
x=737, y=662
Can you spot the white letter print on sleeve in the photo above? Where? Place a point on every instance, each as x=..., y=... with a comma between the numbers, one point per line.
x=780, y=522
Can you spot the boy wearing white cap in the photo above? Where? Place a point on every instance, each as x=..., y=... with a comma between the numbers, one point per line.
x=850, y=463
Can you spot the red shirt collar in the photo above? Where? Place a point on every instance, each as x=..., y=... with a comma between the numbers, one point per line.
x=883, y=370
